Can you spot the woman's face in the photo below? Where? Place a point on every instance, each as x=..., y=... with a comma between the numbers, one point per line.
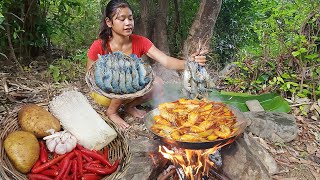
x=122, y=22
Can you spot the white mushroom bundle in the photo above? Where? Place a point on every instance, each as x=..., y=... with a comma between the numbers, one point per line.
x=77, y=116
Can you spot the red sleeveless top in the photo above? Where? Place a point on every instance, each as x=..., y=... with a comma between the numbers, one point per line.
x=140, y=46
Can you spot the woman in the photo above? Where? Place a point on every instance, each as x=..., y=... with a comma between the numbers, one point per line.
x=116, y=35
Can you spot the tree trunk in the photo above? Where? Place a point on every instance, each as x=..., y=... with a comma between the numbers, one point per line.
x=32, y=15
x=11, y=49
x=202, y=27
x=160, y=28
x=161, y=41
x=177, y=24
x=142, y=23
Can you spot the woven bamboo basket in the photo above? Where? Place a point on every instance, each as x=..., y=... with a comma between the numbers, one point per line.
x=118, y=149
x=92, y=85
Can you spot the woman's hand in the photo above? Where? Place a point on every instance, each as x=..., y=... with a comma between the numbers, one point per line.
x=199, y=56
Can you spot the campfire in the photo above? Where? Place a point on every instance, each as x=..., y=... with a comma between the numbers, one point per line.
x=192, y=164
x=192, y=131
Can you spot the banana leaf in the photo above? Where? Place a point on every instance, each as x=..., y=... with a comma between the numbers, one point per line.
x=269, y=101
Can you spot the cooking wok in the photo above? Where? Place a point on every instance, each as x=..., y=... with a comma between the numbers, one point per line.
x=241, y=124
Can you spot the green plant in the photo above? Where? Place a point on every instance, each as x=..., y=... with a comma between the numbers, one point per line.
x=2, y=28
x=288, y=60
x=65, y=70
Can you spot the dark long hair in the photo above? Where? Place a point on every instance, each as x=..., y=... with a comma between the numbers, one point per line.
x=110, y=10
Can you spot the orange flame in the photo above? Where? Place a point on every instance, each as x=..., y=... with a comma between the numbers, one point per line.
x=193, y=162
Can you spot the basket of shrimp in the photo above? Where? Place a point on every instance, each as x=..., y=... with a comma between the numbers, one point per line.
x=120, y=76
x=65, y=150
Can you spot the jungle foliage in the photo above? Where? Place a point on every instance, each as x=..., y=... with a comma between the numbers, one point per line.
x=273, y=43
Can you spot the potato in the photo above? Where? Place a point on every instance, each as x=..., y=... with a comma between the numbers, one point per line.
x=35, y=119
x=22, y=149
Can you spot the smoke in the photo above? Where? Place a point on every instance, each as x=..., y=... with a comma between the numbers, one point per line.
x=172, y=91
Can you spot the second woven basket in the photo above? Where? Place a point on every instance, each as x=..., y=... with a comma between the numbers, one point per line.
x=90, y=80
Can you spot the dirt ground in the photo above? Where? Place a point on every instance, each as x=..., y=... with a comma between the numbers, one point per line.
x=299, y=159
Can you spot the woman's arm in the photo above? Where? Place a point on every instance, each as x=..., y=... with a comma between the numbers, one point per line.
x=174, y=63
x=167, y=61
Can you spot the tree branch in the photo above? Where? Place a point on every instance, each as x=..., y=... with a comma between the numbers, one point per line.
x=12, y=53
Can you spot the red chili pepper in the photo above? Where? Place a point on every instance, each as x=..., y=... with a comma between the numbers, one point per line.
x=91, y=176
x=60, y=165
x=39, y=177
x=79, y=160
x=43, y=152
x=66, y=173
x=47, y=164
x=80, y=147
x=55, y=155
x=74, y=169
x=85, y=171
x=73, y=165
x=64, y=167
x=70, y=155
x=99, y=152
x=106, y=153
x=55, y=167
x=38, y=163
x=94, y=165
x=50, y=172
x=93, y=162
x=96, y=156
x=104, y=171
x=87, y=158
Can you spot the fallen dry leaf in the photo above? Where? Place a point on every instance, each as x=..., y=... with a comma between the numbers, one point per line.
x=316, y=107
x=311, y=148
x=314, y=118
x=296, y=111
x=315, y=174
x=290, y=178
x=293, y=160
x=300, y=118
x=302, y=100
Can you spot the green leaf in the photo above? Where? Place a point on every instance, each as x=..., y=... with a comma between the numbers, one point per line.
x=285, y=76
x=271, y=64
x=263, y=78
x=1, y=18
x=293, y=84
x=311, y=56
x=288, y=85
x=296, y=53
x=270, y=101
x=63, y=77
x=280, y=79
x=305, y=91
x=15, y=35
x=303, y=50
x=301, y=95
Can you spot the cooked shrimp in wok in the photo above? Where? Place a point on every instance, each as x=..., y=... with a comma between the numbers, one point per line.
x=188, y=120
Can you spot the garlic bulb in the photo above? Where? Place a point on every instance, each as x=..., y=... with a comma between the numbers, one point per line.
x=60, y=142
